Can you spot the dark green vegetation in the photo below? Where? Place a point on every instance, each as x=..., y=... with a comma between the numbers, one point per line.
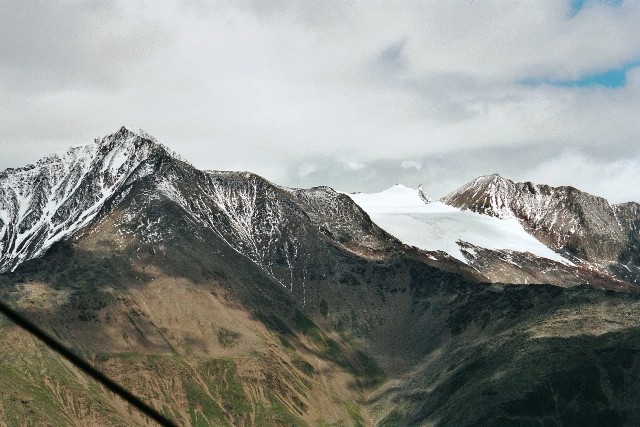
x=521, y=356
x=465, y=353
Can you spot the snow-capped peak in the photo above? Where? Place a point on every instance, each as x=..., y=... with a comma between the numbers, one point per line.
x=396, y=198
x=563, y=217
x=125, y=132
x=43, y=203
x=435, y=226
x=491, y=194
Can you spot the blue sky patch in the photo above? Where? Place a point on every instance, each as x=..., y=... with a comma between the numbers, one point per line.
x=612, y=78
x=577, y=5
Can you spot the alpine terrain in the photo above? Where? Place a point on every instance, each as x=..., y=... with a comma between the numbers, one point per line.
x=220, y=298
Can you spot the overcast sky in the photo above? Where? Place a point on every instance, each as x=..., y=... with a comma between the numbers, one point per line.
x=355, y=95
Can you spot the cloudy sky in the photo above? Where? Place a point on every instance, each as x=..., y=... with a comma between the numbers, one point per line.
x=355, y=95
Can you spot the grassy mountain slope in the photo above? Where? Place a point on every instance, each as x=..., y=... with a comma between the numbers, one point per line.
x=222, y=299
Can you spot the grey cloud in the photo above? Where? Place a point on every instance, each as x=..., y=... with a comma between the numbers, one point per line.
x=338, y=93
x=392, y=56
x=440, y=175
x=308, y=13
x=49, y=45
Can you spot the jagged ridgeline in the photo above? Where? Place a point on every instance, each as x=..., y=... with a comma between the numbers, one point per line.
x=565, y=218
x=220, y=298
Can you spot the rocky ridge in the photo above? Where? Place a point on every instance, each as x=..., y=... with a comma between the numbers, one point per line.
x=62, y=195
x=583, y=226
x=223, y=299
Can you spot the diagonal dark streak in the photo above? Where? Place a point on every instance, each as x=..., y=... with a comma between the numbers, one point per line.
x=83, y=365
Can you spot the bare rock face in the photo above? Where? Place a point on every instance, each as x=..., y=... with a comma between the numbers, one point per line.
x=568, y=220
x=277, y=228
x=628, y=215
x=61, y=194
x=280, y=228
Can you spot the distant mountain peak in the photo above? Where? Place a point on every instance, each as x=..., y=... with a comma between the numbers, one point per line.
x=493, y=177
x=488, y=194
x=124, y=134
x=128, y=131
x=62, y=193
x=403, y=190
x=495, y=180
x=390, y=200
x=125, y=130
x=563, y=217
x=139, y=140
x=398, y=188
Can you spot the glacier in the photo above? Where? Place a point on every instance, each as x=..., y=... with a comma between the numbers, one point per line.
x=436, y=226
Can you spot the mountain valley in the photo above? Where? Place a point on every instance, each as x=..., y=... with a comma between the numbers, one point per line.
x=221, y=298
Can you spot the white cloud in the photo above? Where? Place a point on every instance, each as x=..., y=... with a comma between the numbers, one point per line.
x=411, y=164
x=280, y=87
x=354, y=166
x=617, y=179
x=307, y=169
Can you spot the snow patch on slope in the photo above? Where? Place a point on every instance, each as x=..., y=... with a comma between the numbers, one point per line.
x=397, y=199
x=436, y=226
x=52, y=199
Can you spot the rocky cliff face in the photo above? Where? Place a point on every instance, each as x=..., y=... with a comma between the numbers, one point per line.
x=59, y=195
x=563, y=217
x=571, y=221
x=628, y=216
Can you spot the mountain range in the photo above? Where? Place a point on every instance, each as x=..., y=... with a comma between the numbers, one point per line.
x=221, y=298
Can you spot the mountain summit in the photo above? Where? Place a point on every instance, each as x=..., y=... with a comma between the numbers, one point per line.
x=571, y=221
x=61, y=194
